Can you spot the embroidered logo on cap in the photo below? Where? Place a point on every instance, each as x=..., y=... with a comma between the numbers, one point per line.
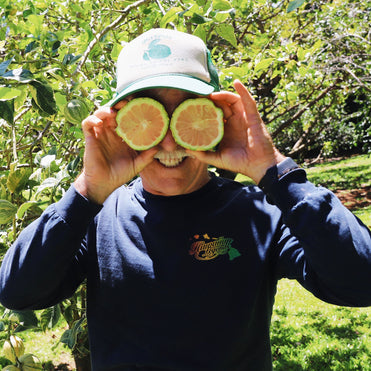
x=156, y=51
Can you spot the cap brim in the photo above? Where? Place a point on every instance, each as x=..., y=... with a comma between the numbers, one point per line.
x=186, y=83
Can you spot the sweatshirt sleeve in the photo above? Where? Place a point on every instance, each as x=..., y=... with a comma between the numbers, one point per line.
x=47, y=262
x=322, y=244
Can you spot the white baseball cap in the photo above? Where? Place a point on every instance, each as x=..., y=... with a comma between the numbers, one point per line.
x=163, y=58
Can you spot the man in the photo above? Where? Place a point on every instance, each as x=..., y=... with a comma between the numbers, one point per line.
x=182, y=266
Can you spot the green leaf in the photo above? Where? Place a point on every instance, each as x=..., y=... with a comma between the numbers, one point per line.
x=34, y=24
x=263, y=65
x=7, y=111
x=4, y=66
x=70, y=336
x=199, y=19
x=60, y=100
x=7, y=211
x=19, y=75
x=73, y=167
x=170, y=16
x=200, y=32
x=221, y=5
x=26, y=318
x=17, y=179
x=50, y=317
x=226, y=31
x=294, y=5
x=24, y=207
x=8, y=93
x=43, y=95
x=70, y=59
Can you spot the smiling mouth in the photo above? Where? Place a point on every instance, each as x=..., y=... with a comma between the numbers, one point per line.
x=171, y=159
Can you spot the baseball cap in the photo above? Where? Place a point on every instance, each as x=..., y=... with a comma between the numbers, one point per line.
x=164, y=58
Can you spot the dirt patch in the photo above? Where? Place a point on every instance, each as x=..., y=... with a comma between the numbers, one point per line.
x=355, y=198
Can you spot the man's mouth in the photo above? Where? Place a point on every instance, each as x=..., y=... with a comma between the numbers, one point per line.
x=171, y=159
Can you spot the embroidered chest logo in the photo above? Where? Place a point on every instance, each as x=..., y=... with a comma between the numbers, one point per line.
x=204, y=247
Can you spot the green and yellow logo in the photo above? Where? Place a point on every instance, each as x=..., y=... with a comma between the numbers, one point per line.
x=205, y=248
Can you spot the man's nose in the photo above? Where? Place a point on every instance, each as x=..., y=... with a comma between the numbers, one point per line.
x=168, y=143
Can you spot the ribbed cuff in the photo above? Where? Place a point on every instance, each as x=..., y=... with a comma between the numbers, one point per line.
x=283, y=184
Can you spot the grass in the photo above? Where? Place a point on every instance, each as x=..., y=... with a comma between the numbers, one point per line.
x=353, y=172
x=306, y=333
x=364, y=214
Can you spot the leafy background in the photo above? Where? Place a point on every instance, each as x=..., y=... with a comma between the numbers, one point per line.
x=306, y=62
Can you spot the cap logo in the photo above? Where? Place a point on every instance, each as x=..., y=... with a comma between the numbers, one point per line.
x=156, y=51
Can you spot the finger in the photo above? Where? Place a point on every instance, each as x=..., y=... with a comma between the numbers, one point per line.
x=143, y=159
x=90, y=124
x=207, y=157
x=122, y=103
x=107, y=115
x=227, y=97
x=226, y=108
x=251, y=110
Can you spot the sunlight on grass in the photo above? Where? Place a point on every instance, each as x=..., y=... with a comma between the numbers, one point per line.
x=45, y=345
x=364, y=214
x=350, y=173
x=308, y=334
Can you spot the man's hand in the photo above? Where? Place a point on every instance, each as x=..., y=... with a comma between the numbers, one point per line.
x=246, y=147
x=108, y=161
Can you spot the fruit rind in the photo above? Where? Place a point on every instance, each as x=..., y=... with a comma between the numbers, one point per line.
x=76, y=110
x=197, y=102
x=126, y=110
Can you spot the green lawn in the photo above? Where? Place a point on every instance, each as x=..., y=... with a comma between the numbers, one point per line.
x=353, y=172
x=308, y=334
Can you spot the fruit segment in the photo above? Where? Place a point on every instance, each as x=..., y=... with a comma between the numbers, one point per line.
x=197, y=124
x=142, y=123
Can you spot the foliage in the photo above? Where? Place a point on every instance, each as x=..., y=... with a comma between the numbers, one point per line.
x=307, y=63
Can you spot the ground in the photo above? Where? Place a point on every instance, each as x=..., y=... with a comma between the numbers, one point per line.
x=355, y=198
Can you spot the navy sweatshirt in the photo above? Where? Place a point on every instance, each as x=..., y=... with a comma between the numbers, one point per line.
x=188, y=282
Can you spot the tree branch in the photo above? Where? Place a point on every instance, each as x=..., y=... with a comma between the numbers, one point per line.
x=110, y=27
x=302, y=110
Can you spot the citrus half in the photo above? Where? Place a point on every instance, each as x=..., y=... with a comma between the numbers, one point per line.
x=197, y=124
x=142, y=123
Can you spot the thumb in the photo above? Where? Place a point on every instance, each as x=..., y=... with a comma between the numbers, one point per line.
x=143, y=159
x=208, y=157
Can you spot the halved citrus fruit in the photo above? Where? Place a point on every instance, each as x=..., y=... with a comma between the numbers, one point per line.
x=197, y=124
x=142, y=123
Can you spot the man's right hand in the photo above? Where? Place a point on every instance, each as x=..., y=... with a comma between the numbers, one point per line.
x=108, y=161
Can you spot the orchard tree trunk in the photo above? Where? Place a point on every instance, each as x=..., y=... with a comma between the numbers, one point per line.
x=83, y=364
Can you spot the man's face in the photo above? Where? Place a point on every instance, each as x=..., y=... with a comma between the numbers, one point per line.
x=172, y=172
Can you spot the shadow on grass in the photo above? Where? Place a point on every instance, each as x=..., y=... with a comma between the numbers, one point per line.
x=312, y=341
x=347, y=177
